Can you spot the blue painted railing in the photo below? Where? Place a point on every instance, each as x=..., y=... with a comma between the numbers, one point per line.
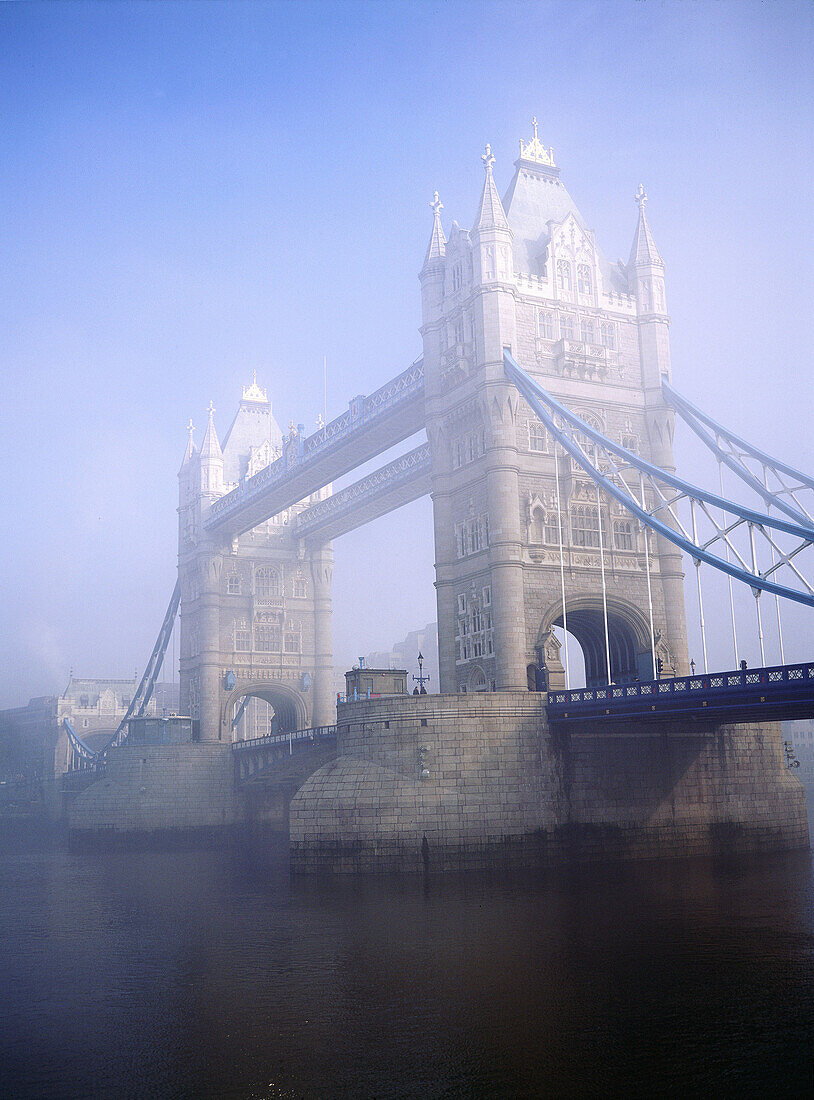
x=710, y=691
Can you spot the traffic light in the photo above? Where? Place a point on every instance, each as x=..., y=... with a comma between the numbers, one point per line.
x=659, y=667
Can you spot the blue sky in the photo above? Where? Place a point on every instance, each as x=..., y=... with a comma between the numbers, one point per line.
x=192, y=192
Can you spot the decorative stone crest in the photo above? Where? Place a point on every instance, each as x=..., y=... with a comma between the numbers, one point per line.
x=535, y=151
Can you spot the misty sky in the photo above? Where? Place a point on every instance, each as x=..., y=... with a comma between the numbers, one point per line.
x=193, y=192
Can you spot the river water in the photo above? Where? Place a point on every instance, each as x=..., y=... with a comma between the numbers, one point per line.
x=201, y=973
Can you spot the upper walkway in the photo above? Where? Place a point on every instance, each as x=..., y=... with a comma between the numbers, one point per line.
x=759, y=694
x=370, y=426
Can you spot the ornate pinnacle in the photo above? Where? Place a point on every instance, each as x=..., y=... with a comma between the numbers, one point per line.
x=190, y=429
x=211, y=410
x=534, y=125
x=487, y=158
x=641, y=196
x=436, y=205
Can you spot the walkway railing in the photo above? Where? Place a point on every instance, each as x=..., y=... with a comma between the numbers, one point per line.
x=260, y=753
x=783, y=687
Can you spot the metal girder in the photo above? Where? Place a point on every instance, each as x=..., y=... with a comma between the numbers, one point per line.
x=392, y=486
x=735, y=452
x=653, y=480
x=83, y=751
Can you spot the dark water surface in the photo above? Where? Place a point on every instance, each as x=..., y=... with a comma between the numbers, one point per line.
x=203, y=973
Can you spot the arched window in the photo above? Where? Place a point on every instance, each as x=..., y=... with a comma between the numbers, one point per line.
x=584, y=280
x=607, y=335
x=233, y=585
x=538, y=437
x=266, y=582
x=623, y=535
x=584, y=525
x=586, y=330
x=567, y=326
x=538, y=525
x=479, y=680
x=545, y=324
x=300, y=588
x=564, y=275
x=293, y=638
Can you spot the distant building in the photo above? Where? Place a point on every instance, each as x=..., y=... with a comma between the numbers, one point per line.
x=33, y=740
x=405, y=654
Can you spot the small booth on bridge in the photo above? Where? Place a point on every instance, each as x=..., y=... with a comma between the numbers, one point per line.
x=369, y=683
x=177, y=729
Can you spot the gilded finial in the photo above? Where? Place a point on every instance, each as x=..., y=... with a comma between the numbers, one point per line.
x=487, y=158
x=534, y=126
x=641, y=196
x=436, y=205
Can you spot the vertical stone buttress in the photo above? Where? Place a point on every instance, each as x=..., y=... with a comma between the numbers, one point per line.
x=209, y=564
x=494, y=317
x=646, y=277
x=432, y=330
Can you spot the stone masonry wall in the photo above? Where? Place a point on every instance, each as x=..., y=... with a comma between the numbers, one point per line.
x=160, y=787
x=502, y=788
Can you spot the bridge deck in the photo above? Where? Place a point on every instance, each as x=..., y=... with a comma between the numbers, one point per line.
x=259, y=753
x=371, y=425
x=779, y=692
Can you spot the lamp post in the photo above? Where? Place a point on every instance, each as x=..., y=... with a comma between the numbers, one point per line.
x=421, y=679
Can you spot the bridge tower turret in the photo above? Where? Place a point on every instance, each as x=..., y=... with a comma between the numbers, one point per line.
x=255, y=604
x=530, y=277
x=646, y=279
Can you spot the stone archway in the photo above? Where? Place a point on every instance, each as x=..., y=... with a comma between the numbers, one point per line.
x=290, y=707
x=628, y=635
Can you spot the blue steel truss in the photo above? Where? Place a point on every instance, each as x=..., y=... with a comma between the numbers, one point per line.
x=570, y=431
x=735, y=453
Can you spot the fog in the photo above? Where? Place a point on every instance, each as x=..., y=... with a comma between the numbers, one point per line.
x=196, y=192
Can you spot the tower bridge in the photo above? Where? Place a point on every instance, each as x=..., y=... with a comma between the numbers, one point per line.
x=544, y=404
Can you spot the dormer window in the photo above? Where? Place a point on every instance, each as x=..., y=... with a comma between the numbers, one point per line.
x=584, y=280
x=564, y=275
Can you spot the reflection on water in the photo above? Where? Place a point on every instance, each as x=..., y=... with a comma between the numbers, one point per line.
x=199, y=973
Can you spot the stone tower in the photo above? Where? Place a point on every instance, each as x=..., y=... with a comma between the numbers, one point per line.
x=256, y=613
x=530, y=277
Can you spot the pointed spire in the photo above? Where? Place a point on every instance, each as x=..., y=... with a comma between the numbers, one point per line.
x=644, y=249
x=190, y=451
x=438, y=242
x=210, y=448
x=491, y=214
